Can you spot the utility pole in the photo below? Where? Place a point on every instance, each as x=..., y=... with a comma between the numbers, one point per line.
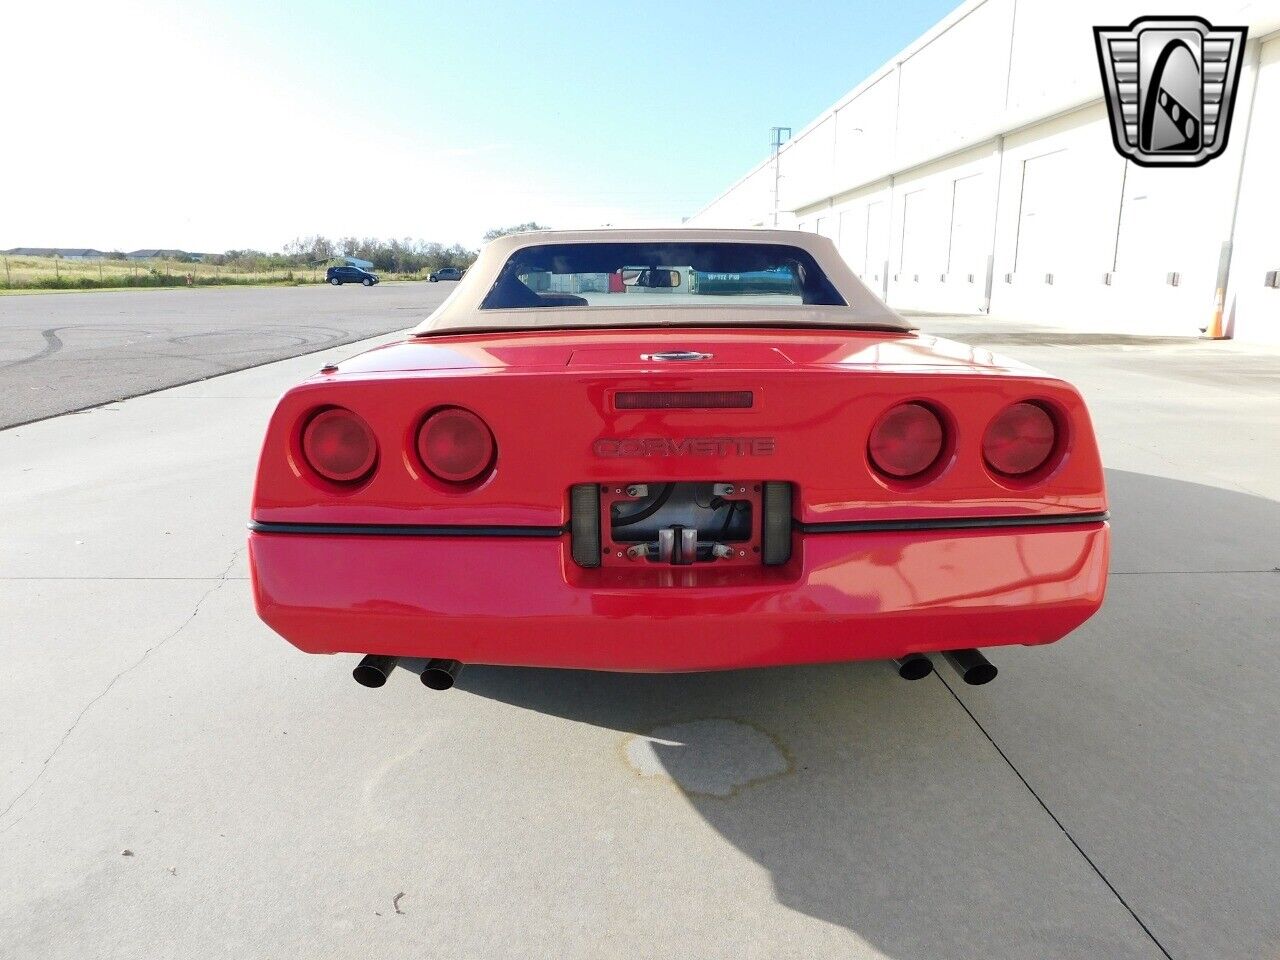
x=778, y=136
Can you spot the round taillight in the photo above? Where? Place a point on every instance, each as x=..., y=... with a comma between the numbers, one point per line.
x=906, y=441
x=455, y=445
x=1020, y=439
x=339, y=445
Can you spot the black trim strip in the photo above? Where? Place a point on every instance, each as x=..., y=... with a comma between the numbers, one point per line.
x=952, y=523
x=852, y=526
x=404, y=530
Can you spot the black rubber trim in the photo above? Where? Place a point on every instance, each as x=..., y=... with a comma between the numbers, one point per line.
x=775, y=523
x=953, y=523
x=403, y=530
x=584, y=524
x=853, y=526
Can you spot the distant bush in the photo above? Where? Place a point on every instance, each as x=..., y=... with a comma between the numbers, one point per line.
x=302, y=261
x=151, y=279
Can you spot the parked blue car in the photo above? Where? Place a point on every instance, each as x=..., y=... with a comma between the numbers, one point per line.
x=340, y=275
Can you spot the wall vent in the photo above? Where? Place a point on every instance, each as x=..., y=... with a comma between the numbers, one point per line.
x=1048, y=278
x=1174, y=278
x=1272, y=280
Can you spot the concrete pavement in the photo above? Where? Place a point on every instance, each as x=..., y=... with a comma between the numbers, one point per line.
x=62, y=352
x=1113, y=795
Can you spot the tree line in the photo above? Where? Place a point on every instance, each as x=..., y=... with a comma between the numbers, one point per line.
x=406, y=255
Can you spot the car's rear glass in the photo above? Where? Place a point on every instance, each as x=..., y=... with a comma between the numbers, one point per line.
x=660, y=274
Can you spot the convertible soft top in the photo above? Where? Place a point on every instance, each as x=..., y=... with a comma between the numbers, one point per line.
x=478, y=305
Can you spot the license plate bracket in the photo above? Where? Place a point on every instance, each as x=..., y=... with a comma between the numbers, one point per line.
x=681, y=523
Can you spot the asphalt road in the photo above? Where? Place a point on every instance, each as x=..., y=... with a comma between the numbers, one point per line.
x=176, y=781
x=61, y=352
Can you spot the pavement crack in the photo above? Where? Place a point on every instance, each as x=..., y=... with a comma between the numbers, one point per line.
x=1052, y=816
x=44, y=766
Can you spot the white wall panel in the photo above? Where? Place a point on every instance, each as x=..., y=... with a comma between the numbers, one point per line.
x=851, y=237
x=922, y=231
x=984, y=150
x=953, y=90
x=749, y=203
x=864, y=134
x=807, y=166
x=1052, y=61
x=972, y=221
x=859, y=227
x=1059, y=205
x=1253, y=308
x=1046, y=213
x=927, y=220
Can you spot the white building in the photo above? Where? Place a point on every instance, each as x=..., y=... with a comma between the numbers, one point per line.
x=976, y=172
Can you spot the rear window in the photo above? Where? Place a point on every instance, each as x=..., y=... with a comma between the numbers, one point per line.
x=660, y=275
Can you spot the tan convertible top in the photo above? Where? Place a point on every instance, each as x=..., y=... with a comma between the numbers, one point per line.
x=461, y=312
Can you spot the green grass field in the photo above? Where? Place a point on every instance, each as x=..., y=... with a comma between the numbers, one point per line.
x=41, y=274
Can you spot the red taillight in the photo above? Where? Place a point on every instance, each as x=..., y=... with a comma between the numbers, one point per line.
x=455, y=445
x=339, y=445
x=1020, y=439
x=906, y=441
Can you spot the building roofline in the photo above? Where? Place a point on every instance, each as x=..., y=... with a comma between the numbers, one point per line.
x=874, y=77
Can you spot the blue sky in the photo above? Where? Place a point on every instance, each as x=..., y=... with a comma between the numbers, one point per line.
x=433, y=120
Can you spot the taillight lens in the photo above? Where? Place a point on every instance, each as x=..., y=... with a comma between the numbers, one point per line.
x=1020, y=439
x=455, y=445
x=906, y=441
x=339, y=445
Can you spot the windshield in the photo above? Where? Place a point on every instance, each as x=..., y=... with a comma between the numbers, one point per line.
x=660, y=274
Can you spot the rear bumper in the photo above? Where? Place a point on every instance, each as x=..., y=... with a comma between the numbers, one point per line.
x=522, y=601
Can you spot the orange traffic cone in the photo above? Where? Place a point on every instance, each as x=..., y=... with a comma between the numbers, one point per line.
x=1215, y=330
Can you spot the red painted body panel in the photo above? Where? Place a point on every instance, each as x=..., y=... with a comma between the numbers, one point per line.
x=547, y=413
x=523, y=601
x=547, y=397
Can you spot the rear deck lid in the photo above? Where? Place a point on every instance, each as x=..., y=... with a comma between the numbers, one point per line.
x=666, y=354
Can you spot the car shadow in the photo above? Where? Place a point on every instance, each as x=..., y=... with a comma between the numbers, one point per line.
x=890, y=813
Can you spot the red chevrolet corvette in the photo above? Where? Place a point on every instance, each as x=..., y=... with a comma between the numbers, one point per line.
x=675, y=450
